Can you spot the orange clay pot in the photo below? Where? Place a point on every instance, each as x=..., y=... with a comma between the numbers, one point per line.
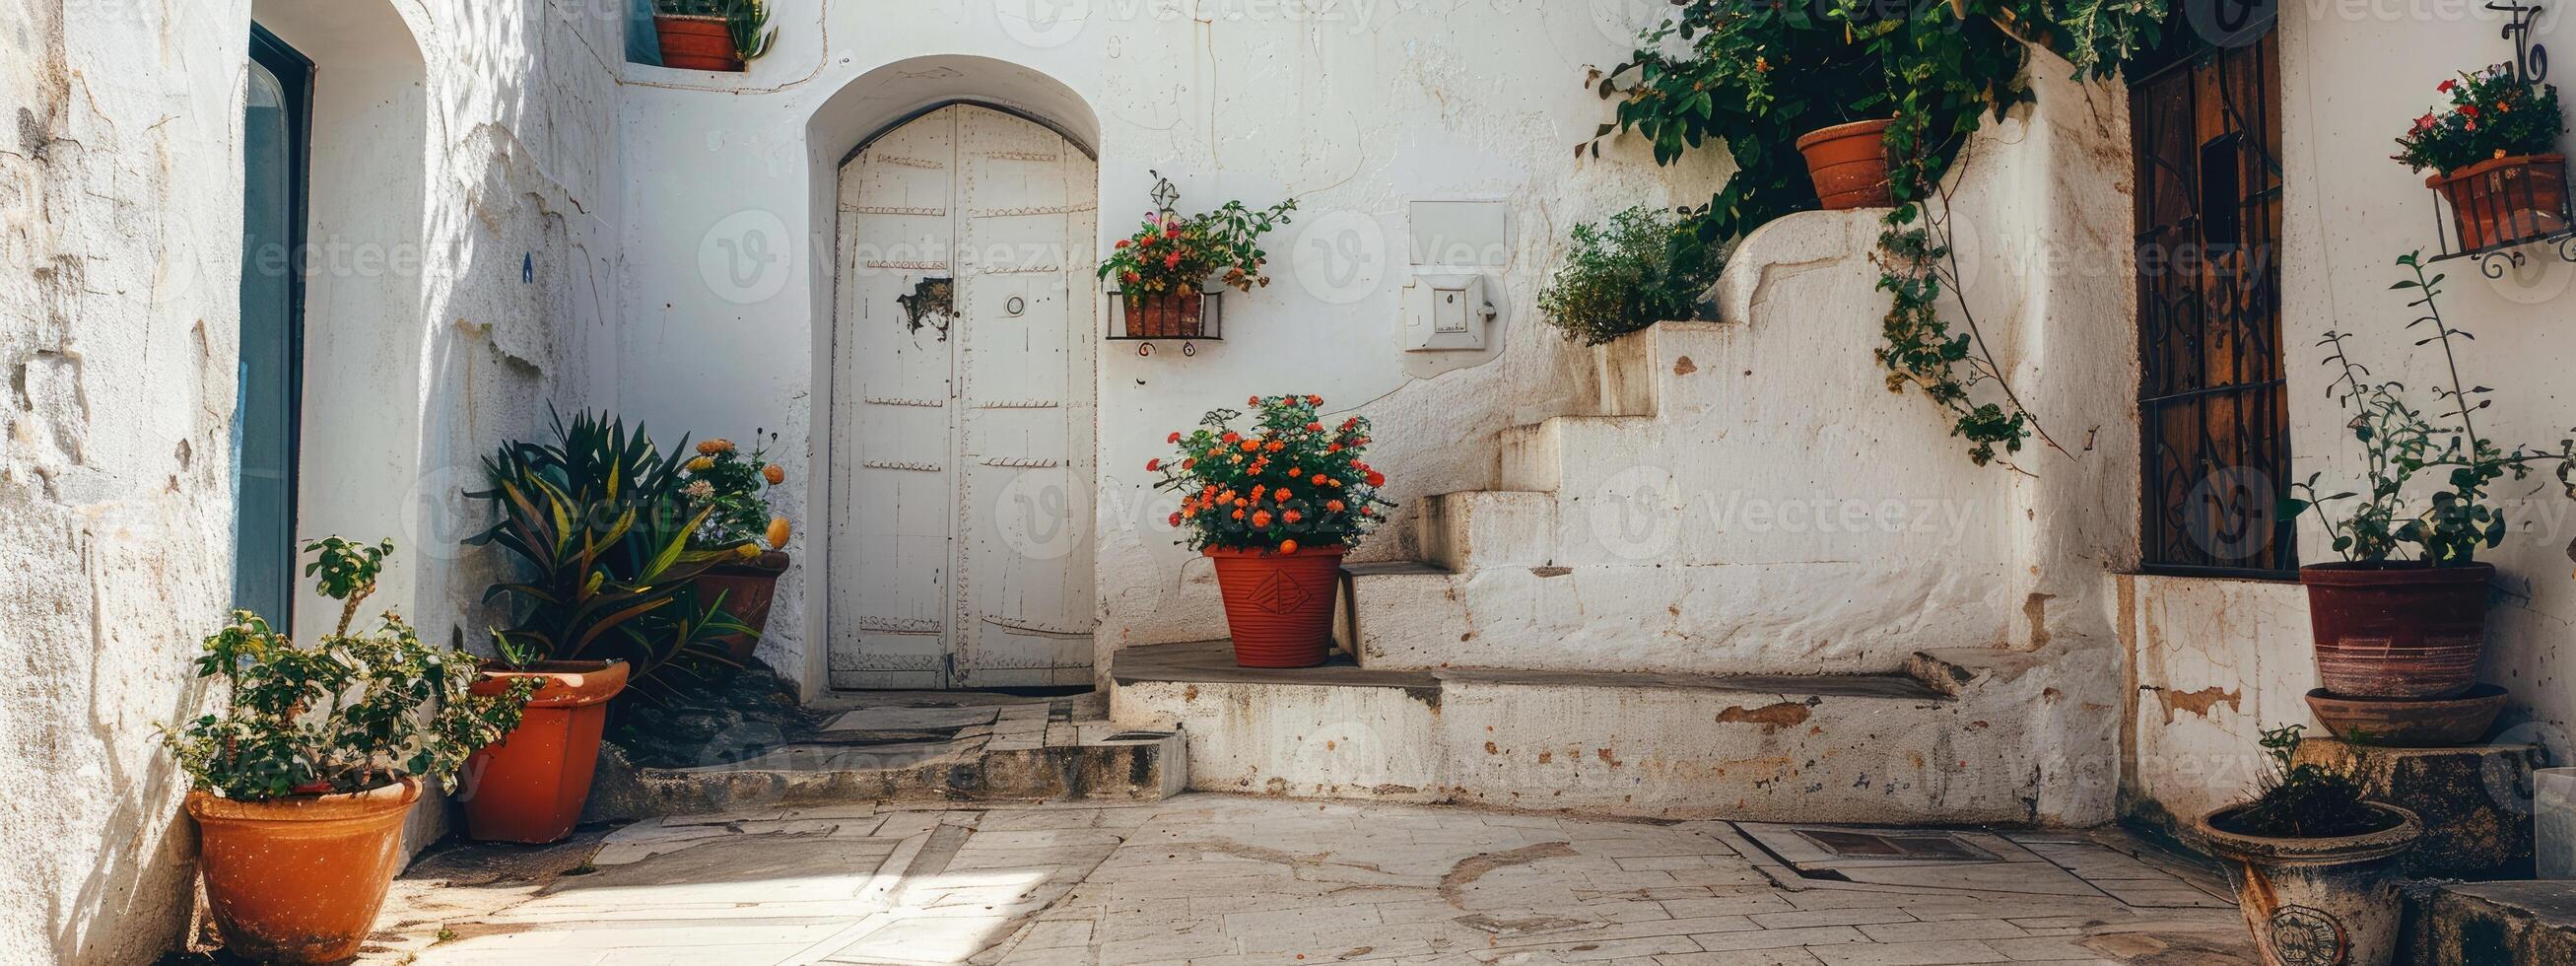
x=300, y=879
x=530, y=786
x=1848, y=163
x=696, y=43
x=1278, y=606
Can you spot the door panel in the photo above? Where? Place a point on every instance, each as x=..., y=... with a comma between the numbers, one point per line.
x=963, y=439
x=270, y=374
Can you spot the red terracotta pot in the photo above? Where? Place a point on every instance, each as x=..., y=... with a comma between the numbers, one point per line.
x=2397, y=630
x=1848, y=163
x=530, y=786
x=300, y=879
x=1169, y=314
x=747, y=589
x=2505, y=200
x=697, y=43
x=1279, y=606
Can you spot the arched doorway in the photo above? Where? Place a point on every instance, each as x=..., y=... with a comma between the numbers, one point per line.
x=962, y=406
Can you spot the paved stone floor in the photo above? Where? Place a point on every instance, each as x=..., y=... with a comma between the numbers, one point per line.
x=1225, y=879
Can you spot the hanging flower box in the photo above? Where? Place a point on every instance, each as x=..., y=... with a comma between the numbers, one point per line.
x=2507, y=200
x=1162, y=270
x=1168, y=315
x=2494, y=156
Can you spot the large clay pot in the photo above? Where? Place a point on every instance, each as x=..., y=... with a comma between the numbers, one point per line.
x=1279, y=606
x=530, y=785
x=1848, y=163
x=696, y=43
x=2505, y=200
x=1169, y=314
x=2313, y=902
x=300, y=879
x=747, y=589
x=2397, y=629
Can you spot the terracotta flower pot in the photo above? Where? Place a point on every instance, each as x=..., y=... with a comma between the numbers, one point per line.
x=530, y=786
x=697, y=43
x=1279, y=606
x=299, y=880
x=2505, y=200
x=2411, y=722
x=2311, y=902
x=747, y=589
x=2397, y=630
x=1169, y=314
x=1848, y=163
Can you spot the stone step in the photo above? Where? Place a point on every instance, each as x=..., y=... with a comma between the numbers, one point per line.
x=1758, y=617
x=2485, y=923
x=1536, y=457
x=1490, y=528
x=909, y=754
x=1884, y=747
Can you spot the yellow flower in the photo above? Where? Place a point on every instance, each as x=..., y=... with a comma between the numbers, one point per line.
x=779, y=531
x=702, y=464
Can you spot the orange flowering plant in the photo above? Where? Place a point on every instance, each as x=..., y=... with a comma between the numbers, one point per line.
x=1289, y=481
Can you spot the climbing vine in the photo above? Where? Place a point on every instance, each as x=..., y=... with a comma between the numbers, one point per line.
x=1757, y=75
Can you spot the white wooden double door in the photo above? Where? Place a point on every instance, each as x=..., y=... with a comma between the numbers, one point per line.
x=962, y=407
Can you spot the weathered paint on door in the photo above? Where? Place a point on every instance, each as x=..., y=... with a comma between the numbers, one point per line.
x=962, y=407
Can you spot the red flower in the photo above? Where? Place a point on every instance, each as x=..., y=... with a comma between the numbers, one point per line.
x=1153, y=466
x=1146, y=242
x=1122, y=243
x=1376, y=478
x=1254, y=401
x=1130, y=275
x=1176, y=519
x=1314, y=427
x=2469, y=109
x=1316, y=401
x=1231, y=436
x=2447, y=85
x=1172, y=260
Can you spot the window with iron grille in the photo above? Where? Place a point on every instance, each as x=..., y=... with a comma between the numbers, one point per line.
x=2212, y=401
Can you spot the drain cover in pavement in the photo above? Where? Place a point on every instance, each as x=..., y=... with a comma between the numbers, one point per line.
x=1920, y=847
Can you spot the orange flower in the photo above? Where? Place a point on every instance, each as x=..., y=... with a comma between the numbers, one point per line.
x=774, y=474
x=1250, y=445
x=1258, y=490
x=1276, y=446
x=1186, y=464
x=1292, y=516
x=1231, y=436
x=1315, y=401
x=1282, y=496
x=1287, y=546
x=1238, y=514
x=1335, y=506
x=1261, y=518
x=1318, y=480
x=778, y=533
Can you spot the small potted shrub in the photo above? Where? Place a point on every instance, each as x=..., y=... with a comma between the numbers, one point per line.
x=598, y=529
x=2494, y=155
x=732, y=488
x=1163, y=268
x=716, y=35
x=2313, y=862
x=1274, y=506
x=300, y=785
x=1645, y=266
x=2403, y=615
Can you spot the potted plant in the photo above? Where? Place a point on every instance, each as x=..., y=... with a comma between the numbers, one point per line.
x=599, y=530
x=717, y=35
x=2312, y=861
x=2403, y=615
x=1274, y=506
x=1644, y=267
x=1162, y=268
x=2494, y=155
x=300, y=784
x=731, y=488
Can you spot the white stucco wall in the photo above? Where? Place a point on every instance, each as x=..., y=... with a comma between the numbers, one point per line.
x=120, y=221
x=1356, y=111
x=2214, y=661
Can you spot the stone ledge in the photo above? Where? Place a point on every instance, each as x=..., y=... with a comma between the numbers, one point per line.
x=2486, y=923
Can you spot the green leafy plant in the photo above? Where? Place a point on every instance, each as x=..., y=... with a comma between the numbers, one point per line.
x=1288, y=481
x=1644, y=266
x=350, y=712
x=746, y=20
x=2303, y=800
x=599, y=530
x=732, y=486
x=2454, y=523
x=1757, y=76
x=2494, y=113
x=1172, y=253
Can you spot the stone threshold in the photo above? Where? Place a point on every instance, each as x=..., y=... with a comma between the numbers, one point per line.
x=1212, y=662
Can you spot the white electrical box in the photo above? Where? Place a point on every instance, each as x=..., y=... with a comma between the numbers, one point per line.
x=1447, y=313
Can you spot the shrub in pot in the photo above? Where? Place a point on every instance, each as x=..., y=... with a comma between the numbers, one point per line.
x=732, y=488
x=2494, y=155
x=598, y=529
x=1274, y=506
x=2403, y=615
x=301, y=783
x=1644, y=266
x=2313, y=862
x=1162, y=269
x=716, y=35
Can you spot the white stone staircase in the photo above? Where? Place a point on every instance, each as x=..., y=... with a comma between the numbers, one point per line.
x=1748, y=583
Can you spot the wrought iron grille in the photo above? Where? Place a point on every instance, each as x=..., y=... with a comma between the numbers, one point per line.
x=2212, y=405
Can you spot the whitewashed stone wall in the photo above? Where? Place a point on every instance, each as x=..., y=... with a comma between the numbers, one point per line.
x=120, y=221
